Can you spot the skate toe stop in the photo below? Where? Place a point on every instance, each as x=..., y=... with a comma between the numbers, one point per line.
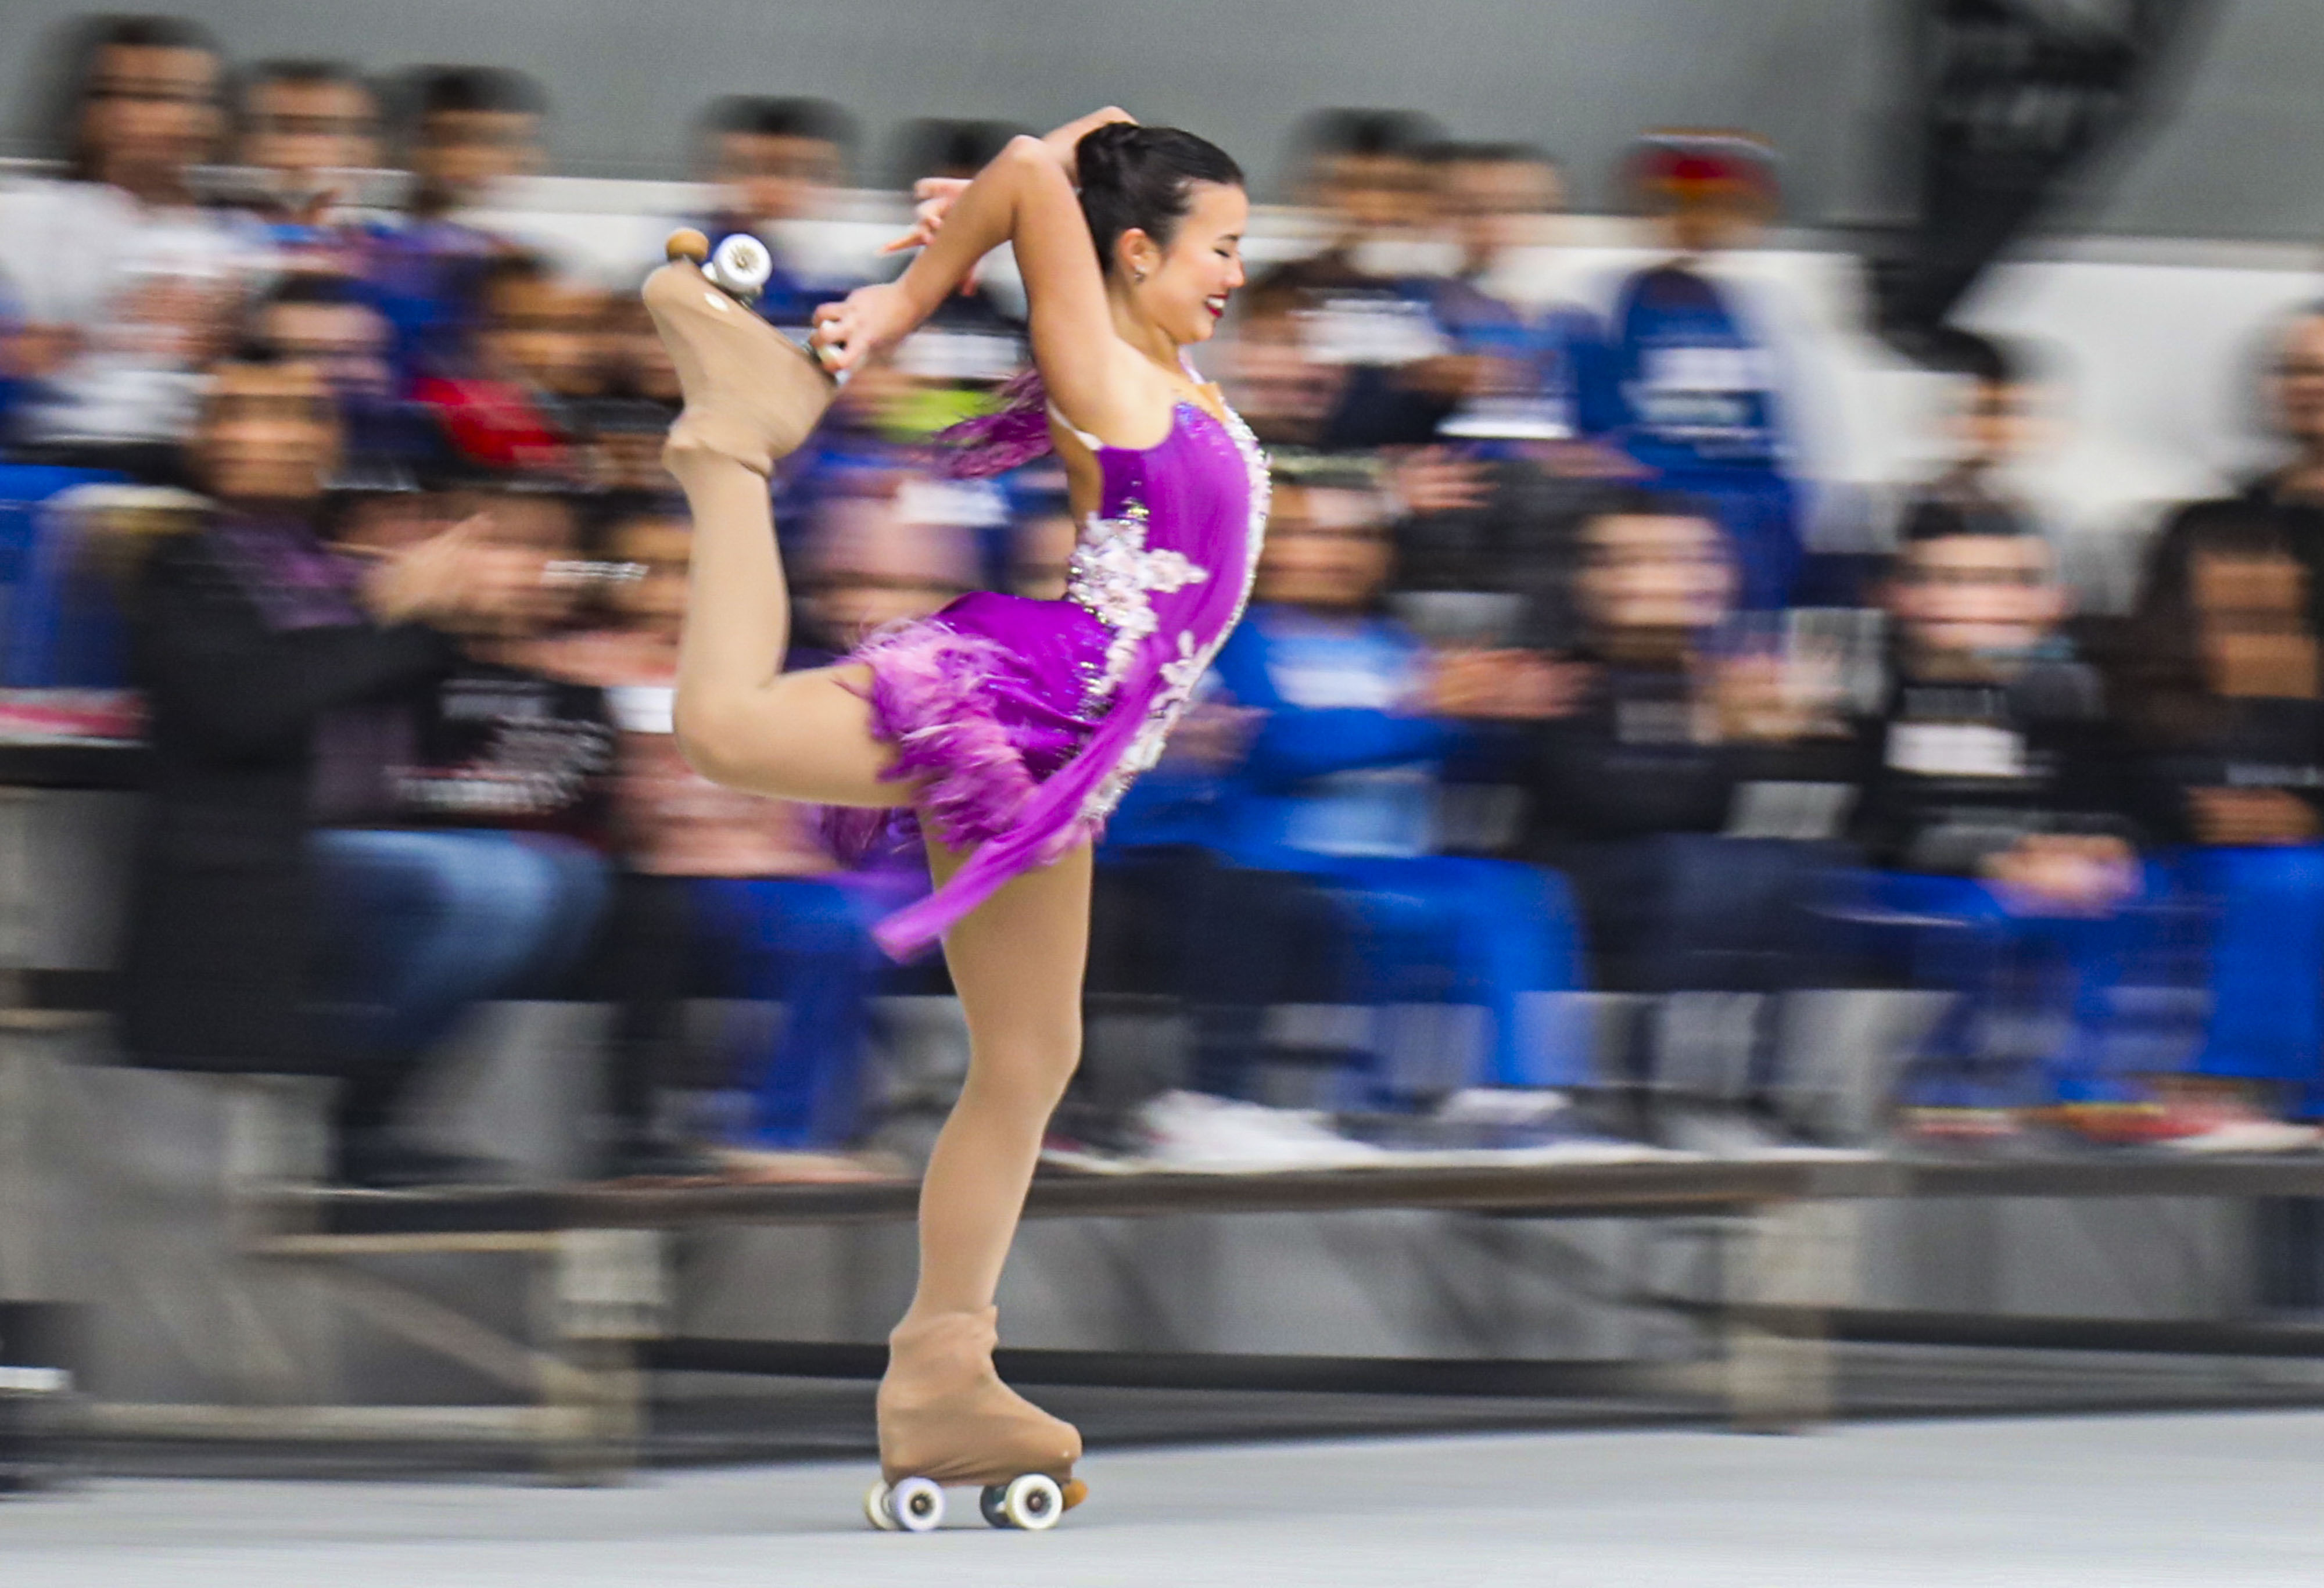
x=1074, y=1491
x=685, y=243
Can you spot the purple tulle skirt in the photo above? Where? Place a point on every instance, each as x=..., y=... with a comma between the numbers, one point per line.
x=983, y=701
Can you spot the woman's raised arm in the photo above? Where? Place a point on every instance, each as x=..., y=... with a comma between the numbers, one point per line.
x=1023, y=198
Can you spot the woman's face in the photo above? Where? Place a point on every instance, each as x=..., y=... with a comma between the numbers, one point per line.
x=1186, y=285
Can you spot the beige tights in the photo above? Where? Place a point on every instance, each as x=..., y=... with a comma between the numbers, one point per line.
x=1016, y=960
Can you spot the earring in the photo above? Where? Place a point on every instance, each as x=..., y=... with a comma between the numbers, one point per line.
x=1137, y=277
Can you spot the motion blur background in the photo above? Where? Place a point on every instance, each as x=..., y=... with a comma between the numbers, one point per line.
x=1830, y=83
x=1789, y=637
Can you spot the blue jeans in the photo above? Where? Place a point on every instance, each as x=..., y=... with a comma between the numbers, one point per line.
x=421, y=924
x=1449, y=929
x=807, y=941
x=2267, y=910
x=2038, y=1014
x=1702, y=912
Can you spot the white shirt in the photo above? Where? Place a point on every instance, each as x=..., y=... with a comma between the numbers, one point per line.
x=142, y=285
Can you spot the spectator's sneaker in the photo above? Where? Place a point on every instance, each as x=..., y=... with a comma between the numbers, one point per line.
x=1495, y=1128
x=1070, y=1155
x=776, y=1166
x=383, y=1161
x=2257, y=1135
x=2226, y=1123
x=1721, y=1128
x=1195, y=1130
x=1514, y=1107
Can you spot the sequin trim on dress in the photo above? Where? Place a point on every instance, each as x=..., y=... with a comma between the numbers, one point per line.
x=1114, y=578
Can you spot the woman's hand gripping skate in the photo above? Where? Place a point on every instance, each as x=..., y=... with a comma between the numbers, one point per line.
x=865, y=323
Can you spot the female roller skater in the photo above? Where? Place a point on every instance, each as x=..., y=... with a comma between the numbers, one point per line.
x=1011, y=726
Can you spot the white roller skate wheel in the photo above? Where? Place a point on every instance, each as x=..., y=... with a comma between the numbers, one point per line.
x=875, y=1508
x=741, y=265
x=917, y=1505
x=1033, y=1503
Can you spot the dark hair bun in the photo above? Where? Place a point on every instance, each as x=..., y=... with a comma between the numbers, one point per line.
x=1137, y=178
x=1104, y=152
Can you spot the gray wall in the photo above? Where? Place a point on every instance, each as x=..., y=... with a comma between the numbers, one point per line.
x=2243, y=158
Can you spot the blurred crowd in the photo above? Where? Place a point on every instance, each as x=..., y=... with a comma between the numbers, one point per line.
x=1552, y=765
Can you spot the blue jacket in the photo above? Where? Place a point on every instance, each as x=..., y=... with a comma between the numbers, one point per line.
x=1698, y=392
x=1343, y=762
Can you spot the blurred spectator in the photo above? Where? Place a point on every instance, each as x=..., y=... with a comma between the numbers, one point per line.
x=309, y=144
x=307, y=124
x=2290, y=497
x=280, y=677
x=537, y=351
x=1692, y=795
x=624, y=445
x=1513, y=374
x=543, y=332
x=776, y=162
x=125, y=286
x=467, y=130
x=467, y=863
x=2000, y=808
x=1339, y=778
x=1365, y=172
x=1700, y=386
x=626, y=425
x=329, y=325
x=1286, y=394
x=946, y=148
x=2223, y=695
x=881, y=551
x=637, y=365
x=1995, y=419
x=463, y=130
x=1366, y=298
x=729, y=884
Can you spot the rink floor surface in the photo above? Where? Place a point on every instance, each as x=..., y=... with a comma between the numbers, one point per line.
x=2220, y=1499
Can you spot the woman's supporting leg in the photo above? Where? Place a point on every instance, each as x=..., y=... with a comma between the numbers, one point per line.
x=1017, y=962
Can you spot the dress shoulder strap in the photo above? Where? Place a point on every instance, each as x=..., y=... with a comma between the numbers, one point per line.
x=1078, y=434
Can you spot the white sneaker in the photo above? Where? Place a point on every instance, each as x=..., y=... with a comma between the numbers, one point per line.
x=1195, y=1130
x=2249, y=1135
x=1510, y=1107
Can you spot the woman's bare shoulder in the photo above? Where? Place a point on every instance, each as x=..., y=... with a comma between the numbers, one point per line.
x=1132, y=409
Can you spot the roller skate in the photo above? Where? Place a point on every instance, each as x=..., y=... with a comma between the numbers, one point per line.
x=946, y=1420
x=752, y=394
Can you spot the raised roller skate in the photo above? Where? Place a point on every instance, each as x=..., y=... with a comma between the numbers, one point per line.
x=752, y=394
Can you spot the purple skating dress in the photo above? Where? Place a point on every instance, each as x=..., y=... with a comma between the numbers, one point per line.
x=1025, y=721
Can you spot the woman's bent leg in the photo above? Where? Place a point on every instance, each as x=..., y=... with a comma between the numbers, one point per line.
x=1017, y=963
x=751, y=398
